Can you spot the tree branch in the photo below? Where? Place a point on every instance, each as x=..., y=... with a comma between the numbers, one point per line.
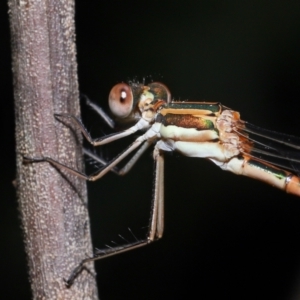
x=53, y=205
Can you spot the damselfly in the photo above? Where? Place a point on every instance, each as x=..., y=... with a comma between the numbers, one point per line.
x=196, y=129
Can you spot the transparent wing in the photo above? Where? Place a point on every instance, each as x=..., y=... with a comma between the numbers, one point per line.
x=276, y=148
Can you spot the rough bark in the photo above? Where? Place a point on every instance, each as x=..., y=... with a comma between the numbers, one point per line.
x=52, y=204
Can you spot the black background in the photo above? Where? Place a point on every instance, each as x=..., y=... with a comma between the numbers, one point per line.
x=226, y=236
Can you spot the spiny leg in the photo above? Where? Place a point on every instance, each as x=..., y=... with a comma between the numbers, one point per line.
x=98, y=174
x=99, y=159
x=149, y=137
x=128, y=165
x=156, y=225
x=140, y=125
x=99, y=111
x=156, y=222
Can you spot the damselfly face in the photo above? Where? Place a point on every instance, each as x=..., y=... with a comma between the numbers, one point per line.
x=129, y=102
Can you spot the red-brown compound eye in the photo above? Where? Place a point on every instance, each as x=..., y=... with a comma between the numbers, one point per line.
x=120, y=100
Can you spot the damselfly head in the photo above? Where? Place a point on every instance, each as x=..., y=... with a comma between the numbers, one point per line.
x=128, y=102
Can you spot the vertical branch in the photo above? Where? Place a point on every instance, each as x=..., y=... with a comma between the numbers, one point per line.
x=53, y=205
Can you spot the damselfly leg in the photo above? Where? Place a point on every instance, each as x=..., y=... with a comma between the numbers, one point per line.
x=142, y=143
x=156, y=225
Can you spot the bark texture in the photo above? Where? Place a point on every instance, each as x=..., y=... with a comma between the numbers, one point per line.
x=52, y=203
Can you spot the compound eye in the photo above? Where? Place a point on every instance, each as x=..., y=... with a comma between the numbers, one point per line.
x=120, y=100
x=161, y=91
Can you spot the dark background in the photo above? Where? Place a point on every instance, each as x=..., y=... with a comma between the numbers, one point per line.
x=226, y=236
